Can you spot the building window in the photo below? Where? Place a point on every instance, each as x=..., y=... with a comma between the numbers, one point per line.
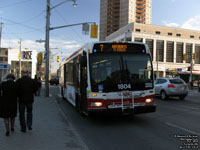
x=138, y=40
x=188, y=52
x=1, y=59
x=192, y=36
x=159, y=50
x=178, y=35
x=170, y=33
x=6, y=53
x=137, y=30
x=170, y=51
x=179, y=52
x=150, y=44
x=157, y=32
x=197, y=51
x=5, y=59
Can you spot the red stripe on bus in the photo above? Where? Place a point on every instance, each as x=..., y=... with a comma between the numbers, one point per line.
x=74, y=53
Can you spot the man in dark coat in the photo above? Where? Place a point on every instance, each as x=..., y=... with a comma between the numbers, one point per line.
x=26, y=89
x=8, y=102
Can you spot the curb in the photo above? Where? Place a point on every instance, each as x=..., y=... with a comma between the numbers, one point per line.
x=82, y=144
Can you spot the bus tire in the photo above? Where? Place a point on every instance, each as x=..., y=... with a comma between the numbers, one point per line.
x=77, y=103
x=62, y=94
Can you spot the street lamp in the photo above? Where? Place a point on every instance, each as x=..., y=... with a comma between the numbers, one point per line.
x=47, y=41
x=74, y=4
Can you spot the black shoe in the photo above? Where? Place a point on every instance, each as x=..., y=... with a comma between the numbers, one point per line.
x=29, y=128
x=23, y=130
x=12, y=129
x=7, y=133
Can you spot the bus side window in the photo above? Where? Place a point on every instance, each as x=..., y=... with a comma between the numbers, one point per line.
x=85, y=70
x=76, y=73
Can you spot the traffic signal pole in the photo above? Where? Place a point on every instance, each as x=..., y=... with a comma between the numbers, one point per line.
x=47, y=49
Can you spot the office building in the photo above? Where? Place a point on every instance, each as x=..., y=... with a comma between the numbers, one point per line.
x=115, y=14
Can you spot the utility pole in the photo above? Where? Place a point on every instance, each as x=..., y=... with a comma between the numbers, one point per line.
x=1, y=25
x=20, y=51
x=191, y=66
x=47, y=49
x=157, y=57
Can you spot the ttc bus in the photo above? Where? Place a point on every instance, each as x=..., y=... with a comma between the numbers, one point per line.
x=109, y=76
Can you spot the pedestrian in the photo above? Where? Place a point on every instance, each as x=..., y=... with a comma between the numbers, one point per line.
x=26, y=89
x=8, y=103
x=39, y=85
x=191, y=85
x=36, y=81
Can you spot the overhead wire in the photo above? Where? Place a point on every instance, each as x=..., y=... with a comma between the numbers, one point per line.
x=27, y=26
x=30, y=19
x=17, y=3
x=65, y=21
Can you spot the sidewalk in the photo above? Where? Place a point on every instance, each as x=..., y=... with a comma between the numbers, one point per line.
x=51, y=130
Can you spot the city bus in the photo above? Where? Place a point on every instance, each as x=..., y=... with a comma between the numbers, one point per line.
x=109, y=77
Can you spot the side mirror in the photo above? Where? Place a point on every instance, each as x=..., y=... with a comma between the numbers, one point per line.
x=83, y=61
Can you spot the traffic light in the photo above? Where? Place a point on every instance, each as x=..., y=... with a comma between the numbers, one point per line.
x=19, y=56
x=194, y=56
x=40, y=57
x=58, y=59
x=94, y=31
x=184, y=56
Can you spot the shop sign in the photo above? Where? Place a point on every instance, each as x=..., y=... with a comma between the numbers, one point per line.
x=27, y=54
x=3, y=66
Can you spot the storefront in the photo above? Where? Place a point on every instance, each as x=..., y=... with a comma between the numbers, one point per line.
x=28, y=59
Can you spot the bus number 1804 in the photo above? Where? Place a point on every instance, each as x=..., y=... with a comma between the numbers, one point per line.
x=124, y=86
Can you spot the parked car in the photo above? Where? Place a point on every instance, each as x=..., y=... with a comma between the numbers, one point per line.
x=54, y=81
x=171, y=87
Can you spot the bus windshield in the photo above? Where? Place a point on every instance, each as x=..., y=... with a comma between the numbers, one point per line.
x=120, y=71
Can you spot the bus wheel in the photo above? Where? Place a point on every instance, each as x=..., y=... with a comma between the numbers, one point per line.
x=62, y=93
x=77, y=104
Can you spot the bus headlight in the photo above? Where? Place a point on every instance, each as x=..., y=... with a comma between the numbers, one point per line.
x=149, y=100
x=97, y=104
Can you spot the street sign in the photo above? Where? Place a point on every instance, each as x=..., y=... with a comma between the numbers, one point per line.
x=3, y=66
x=85, y=28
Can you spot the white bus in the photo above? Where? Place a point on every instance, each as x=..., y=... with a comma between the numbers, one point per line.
x=109, y=76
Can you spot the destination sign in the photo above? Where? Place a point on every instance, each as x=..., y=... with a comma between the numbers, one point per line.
x=119, y=48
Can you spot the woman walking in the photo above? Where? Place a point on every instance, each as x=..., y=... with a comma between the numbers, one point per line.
x=8, y=103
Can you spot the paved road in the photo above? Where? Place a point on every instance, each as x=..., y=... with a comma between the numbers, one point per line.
x=175, y=122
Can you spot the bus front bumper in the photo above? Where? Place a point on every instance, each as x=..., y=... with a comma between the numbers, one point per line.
x=125, y=109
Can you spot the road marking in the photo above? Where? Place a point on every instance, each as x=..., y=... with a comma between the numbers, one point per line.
x=190, y=107
x=181, y=128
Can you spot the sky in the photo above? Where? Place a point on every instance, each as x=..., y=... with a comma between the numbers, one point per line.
x=25, y=20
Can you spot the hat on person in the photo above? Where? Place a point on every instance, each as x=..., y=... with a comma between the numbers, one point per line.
x=10, y=76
